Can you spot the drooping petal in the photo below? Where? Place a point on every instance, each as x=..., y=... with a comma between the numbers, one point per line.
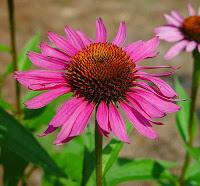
x=172, y=21
x=45, y=98
x=175, y=49
x=102, y=116
x=74, y=38
x=62, y=43
x=101, y=33
x=47, y=62
x=162, y=105
x=82, y=120
x=65, y=111
x=191, y=10
x=161, y=85
x=121, y=34
x=87, y=41
x=117, y=124
x=141, y=124
x=150, y=109
x=146, y=50
x=40, y=79
x=68, y=125
x=191, y=46
x=49, y=130
x=53, y=52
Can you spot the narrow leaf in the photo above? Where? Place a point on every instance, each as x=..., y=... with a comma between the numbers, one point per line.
x=182, y=117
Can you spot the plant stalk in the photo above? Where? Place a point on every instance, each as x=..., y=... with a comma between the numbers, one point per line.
x=98, y=155
x=193, y=97
x=11, y=12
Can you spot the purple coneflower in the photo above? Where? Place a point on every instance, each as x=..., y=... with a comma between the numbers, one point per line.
x=184, y=31
x=101, y=75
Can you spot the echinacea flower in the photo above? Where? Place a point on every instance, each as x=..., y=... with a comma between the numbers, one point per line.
x=184, y=31
x=102, y=76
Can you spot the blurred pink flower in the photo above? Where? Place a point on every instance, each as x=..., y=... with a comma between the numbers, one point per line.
x=184, y=31
x=100, y=75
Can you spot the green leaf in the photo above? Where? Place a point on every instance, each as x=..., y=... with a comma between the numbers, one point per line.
x=194, y=152
x=32, y=45
x=193, y=171
x=19, y=140
x=4, y=48
x=182, y=117
x=23, y=62
x=141, y=169
x=5, y=105
x=13, y=167
x=111, y=151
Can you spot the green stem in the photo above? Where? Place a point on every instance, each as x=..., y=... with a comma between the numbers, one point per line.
x=11, y=12
x=195, y=86
x=98, y=155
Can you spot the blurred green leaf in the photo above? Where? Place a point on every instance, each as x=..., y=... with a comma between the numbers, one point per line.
x=23, y=62
x=13, y=167
x=32, y=45
x=194, y=152
x=5, y=105
x=182, y=117
x=111, y=151
x=19, y=140
x=141, y=169
x=193, y=171
x=4, y=48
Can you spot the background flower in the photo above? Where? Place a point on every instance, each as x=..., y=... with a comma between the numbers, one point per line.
x=184, y=31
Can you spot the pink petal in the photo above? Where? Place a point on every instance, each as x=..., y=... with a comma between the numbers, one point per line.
x=121, y=34
x=199, y=47
x=68, y=125
x=164, y=88
x=141, y=124
x=103, y=132
x=62, y=43
x=172, y=21
x=149, y=108
x=133, y=47
x=82, y=120
x=191, y=46
x=40, y=79
x=169, y=33
x=162, y=105
x=191, y=10
x=101, y=33
x=45, y=98
x=74, y=38
x=84, y=38
x=177, y=15
x=146, y=50
x=46, y=62
x=53, y=52
x=153, y=90
x=65, y=111
x=102, y=116
x=175, y=49
x=49, y=130
x=117, y=124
